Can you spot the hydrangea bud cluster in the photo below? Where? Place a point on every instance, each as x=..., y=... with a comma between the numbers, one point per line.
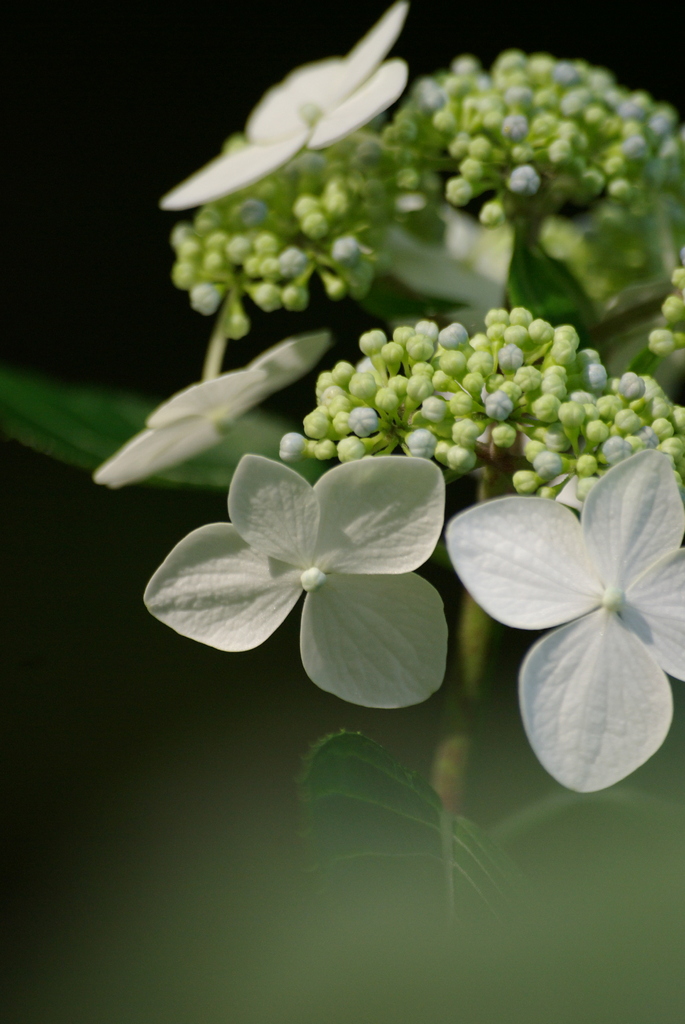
x=665, y=340
x=537, y=132
x=522, y=385
x=322, y=213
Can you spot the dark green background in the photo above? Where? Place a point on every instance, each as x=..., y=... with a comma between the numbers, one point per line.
x=153, y=869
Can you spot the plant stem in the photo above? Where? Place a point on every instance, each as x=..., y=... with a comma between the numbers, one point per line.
x=474, y=642
x=216, y=349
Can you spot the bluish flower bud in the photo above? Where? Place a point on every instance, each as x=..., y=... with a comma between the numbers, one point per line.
x=547, y=465
x=510, y=358
x=498, y=405
x=363, y=421
x=682, y=255
x=565, y=73
x=595, y=376
x=434, y=409
x=253, y=212
x=461, y=459
x=648, y=437
x=634, y=147
x=428, y=328
x=515, y=127
x=205, y=299
x=629, y=110
x=456, y=335
x=524, y=180
x=345, y=250
x=421, y=443
x=292, y=262
x=465, y=65
x=518, y=96
x=660, y=124
x=574, y=101
x=429, y=96
x=292, y=447
x=631, y=386
x=616, y=449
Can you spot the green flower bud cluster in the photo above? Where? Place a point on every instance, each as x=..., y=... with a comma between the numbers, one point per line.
x=519, y=391
x=538, y=132
x=663, y=341
x=322, y=213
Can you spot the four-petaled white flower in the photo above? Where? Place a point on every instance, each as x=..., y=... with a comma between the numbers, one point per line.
x=594, y=699
x=372, y=632
x=315, y=105
x=193, y=420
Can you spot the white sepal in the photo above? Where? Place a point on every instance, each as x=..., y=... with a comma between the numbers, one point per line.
x=655, y=611
x=375, y=96
x=151, y=451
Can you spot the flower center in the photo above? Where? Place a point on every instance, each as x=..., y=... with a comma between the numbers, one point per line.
x=310, y=113
x=613, y=599
x=312, y=579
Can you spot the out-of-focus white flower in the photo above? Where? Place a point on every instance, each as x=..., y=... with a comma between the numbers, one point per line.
x=194, y=419
x=314, y=106
x=594, y=699
x=373, y=632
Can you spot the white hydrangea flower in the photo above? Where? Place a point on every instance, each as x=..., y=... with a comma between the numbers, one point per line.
x=193, y=420
x=372, y=632
x=594, y=699
x=314, y=106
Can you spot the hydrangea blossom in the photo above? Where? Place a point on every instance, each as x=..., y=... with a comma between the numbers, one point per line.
x=314, y=106
x=594, y=696
x=373, y=632
x=193, y=420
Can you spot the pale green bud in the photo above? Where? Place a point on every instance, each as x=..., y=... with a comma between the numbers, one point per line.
x=183, y=275
x=511, y=389
x=492, y=214
x=461, y=404
x=314, y=225
x=546, y=408
x=679, y=418
x=526, y=481
x=555, y=438
x=317, y=424
x=305, y=205
x=266, y=296
x=533, y=449
x=627, y=421
x=252, y=265
x=471, y=169
x=662, y=428
x=497, y=316
x=434, y=408
x=402, y=335
x=528, y=378
x=269, y=267
x=517, y=335
x=350, y=449
x=466, y=432
x=672, y=446
x=180, y=233
x=386, y=400
x=474, y=384
x=295, y=297
x=324, y=450
x=392, y=354
x=563, y=352
x=429, y=329
x=371, y=342
x=422, y=370
x=673, y=309
x=584, y=486
x=205, y=299
x=342, y=373
x=339, y=403
x=596, y=431
x=540, y=332
x=190, y=249
x=398, y=385
x=586, y=465
x=363, y=385
x=441, y=451
x=678, y=277
x=571, y=414
x=480, y=343
x=496, y=332
x=441, y=382
x=560, y=151
x=458, y=191
x=340, y=422
x=420, y=348
x=420, y=388
x=504, y=435
x=462, y=460
x=266, y=243
x=481, y=362
x=520, y=317
x=661, y=342
x=237, y=324
x=554, y=385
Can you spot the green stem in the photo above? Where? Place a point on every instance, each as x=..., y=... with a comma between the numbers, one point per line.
x=463, y=687
x=216, y=349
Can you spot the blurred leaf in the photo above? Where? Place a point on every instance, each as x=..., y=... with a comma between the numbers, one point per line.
x=636, y=306
x=645, y=362
x=362, y=805
x=389, y=299
x=547, y=288
x=84, y=425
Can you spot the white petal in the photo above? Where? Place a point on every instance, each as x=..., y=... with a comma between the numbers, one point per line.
x=232, y=171
x=632, y=517
x=655, y=611
x=594, y=703
x=278, y=113
x=379, y=515
x=372, y=98
x=524, y=561
x=380, y=641
x=214, y=589
x=224, y=397
x=291, y=359
x=362, y=60
x=274, y=509
x=154, y=450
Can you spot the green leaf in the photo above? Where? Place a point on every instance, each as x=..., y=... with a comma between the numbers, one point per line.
x=84, y=425
x=547, y=288
x=389, y=299
x=362, y=805
x=645, y=362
